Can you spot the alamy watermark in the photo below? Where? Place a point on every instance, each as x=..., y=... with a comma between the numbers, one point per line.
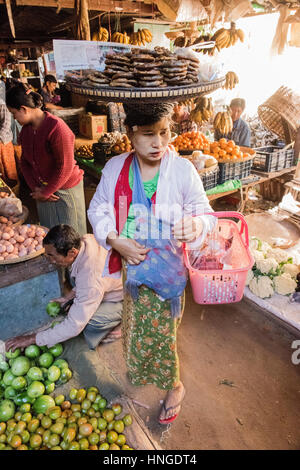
x=296, y=353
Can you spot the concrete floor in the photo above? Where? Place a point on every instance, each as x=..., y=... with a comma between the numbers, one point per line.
x=242, y=390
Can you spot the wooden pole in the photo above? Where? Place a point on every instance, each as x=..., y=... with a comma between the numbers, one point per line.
x=10, y=18
x=82, y=26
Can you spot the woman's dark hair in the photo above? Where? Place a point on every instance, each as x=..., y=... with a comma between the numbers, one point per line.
x=63, y=238
x=147, y=114
x=22, y=95
x=50, y=78
x=239, y=103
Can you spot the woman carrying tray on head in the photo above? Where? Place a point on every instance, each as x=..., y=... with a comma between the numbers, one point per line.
x=47, y=161
x=141, y=211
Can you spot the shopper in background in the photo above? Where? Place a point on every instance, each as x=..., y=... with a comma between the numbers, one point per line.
x=8, y=169
x=97, y=301
x=240, y=133
x=51, y=100
x=47, y=161
x=181, y=120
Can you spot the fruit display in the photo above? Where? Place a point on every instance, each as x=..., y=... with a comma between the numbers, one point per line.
x=82, y=422
x=4, y=194
x=26, y=73
x=122, y=145
x=203, y=110
x=26, y=378
x=141, y=37
x=7, y=221
x=227, y=37
x=146, y=68
x=100, y=35
x=231, y=80
x=191, y=141
x=223, y=122
x=85, y=151
x=53, y=309
x=20, y=241
x=122, y=38
x=227, y=151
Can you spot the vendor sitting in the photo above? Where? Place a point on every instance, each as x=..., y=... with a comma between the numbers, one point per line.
x=240, y=133
x=51, y=100
x=182, y=121
x=97, y=305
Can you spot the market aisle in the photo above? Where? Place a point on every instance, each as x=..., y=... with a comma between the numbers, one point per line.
x=256, y=406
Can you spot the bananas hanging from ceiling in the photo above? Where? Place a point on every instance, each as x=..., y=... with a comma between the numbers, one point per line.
x=225, y=38
x=101, y=35
x=120, y=37
x=223, y=122
x=203, y=110
x=141, y=37
x=231, y=80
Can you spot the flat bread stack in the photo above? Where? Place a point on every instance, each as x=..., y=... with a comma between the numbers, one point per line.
x=119, y=71
x=146, y=70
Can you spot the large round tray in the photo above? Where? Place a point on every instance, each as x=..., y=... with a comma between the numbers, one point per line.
x=27, y=257
x=126, y=95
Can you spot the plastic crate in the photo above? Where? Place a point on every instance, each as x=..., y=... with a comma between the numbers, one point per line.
x=209, y=179
x=234, y=171
x=273, y=158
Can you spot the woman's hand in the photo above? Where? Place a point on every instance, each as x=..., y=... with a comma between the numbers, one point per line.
x=38, y=196
x=129, y=249
x=188, y=229
x=20, y=342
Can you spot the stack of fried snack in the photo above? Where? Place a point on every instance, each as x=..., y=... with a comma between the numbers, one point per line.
x=96, y=79
x=146, y=68
x=119, y=70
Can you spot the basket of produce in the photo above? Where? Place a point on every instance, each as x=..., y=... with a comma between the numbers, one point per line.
x=14, y=220
x=281, y=110
x=187, y=142
x=218, y=270
x=273, y=158
x=109, y=145
x=235, y=162
x=207, y=168
x=21, y=243
x=10, y=205
x=85, y=152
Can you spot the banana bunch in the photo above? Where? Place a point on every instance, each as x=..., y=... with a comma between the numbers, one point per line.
x=231, y=80
x=203, y=110
x=141, y=37
x=223, y=122
x=228, y=37
x=101, y=35
x=121, y=38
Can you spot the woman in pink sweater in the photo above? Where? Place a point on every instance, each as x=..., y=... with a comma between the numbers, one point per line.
x=47, y=161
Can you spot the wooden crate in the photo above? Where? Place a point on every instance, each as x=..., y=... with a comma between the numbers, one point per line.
x=274, y=189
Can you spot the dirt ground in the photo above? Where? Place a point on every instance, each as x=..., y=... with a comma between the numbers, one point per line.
x=256, y=406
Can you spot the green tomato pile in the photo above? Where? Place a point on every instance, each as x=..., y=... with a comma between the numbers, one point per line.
x=27, y=377
x=84, y=422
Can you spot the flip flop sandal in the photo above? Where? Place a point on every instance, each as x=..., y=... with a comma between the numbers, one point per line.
x=172, y=418
x=111, y=340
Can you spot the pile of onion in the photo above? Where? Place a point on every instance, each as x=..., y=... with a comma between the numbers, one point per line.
x=16, y=242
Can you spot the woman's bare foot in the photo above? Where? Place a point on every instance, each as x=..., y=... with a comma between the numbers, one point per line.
x=172, y=402
x=113, y=335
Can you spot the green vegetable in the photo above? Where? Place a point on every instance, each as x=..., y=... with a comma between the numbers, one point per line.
x=7, y=410
x=42, y=404
x=20, y=366
x=53, y=309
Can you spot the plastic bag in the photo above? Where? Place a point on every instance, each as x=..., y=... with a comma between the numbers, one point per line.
x=182, y=10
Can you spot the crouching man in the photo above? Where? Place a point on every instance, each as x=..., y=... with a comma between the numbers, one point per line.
x=97, y=301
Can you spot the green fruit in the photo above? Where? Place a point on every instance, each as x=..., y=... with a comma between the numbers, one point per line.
x=56, y=350
x=10, y=393
x=19, y=383
x=7, y=410
x=108, y=415
x=114, y=446
x=121, y=441
x=25, y=408
x=54, y=440
x=59, y=399
x=21, y=366
x=50, y=386
x=23, y=398
x=73, y=393
x=13, y=354
x=53, y=309
x=117, y=408
x=93, y=438
x=65, y=376
x=8, y=377
x=86, y=404
x=53, y=373
x=42, y=404
x=44, y=372
x=119, y=426
x=127, y=420
x=111, y=437
x=102, y=424
x=35, y=373
x=46, y=359
x=57, y=428
x=46, y=422
x=35, y=441
x=84, y=443
x=61, y=363
x=54, y=412
x=74, y=446
x=104, y=446
x=36, y=389
x=25, y=436
x=4, y=366
x=102, y=403
x=32, y=351
x=110, y=425
x=91, y=396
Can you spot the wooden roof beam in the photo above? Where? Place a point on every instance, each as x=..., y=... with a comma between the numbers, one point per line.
x=122, y=6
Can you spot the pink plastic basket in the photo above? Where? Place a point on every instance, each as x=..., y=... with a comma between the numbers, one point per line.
x=219, y=286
